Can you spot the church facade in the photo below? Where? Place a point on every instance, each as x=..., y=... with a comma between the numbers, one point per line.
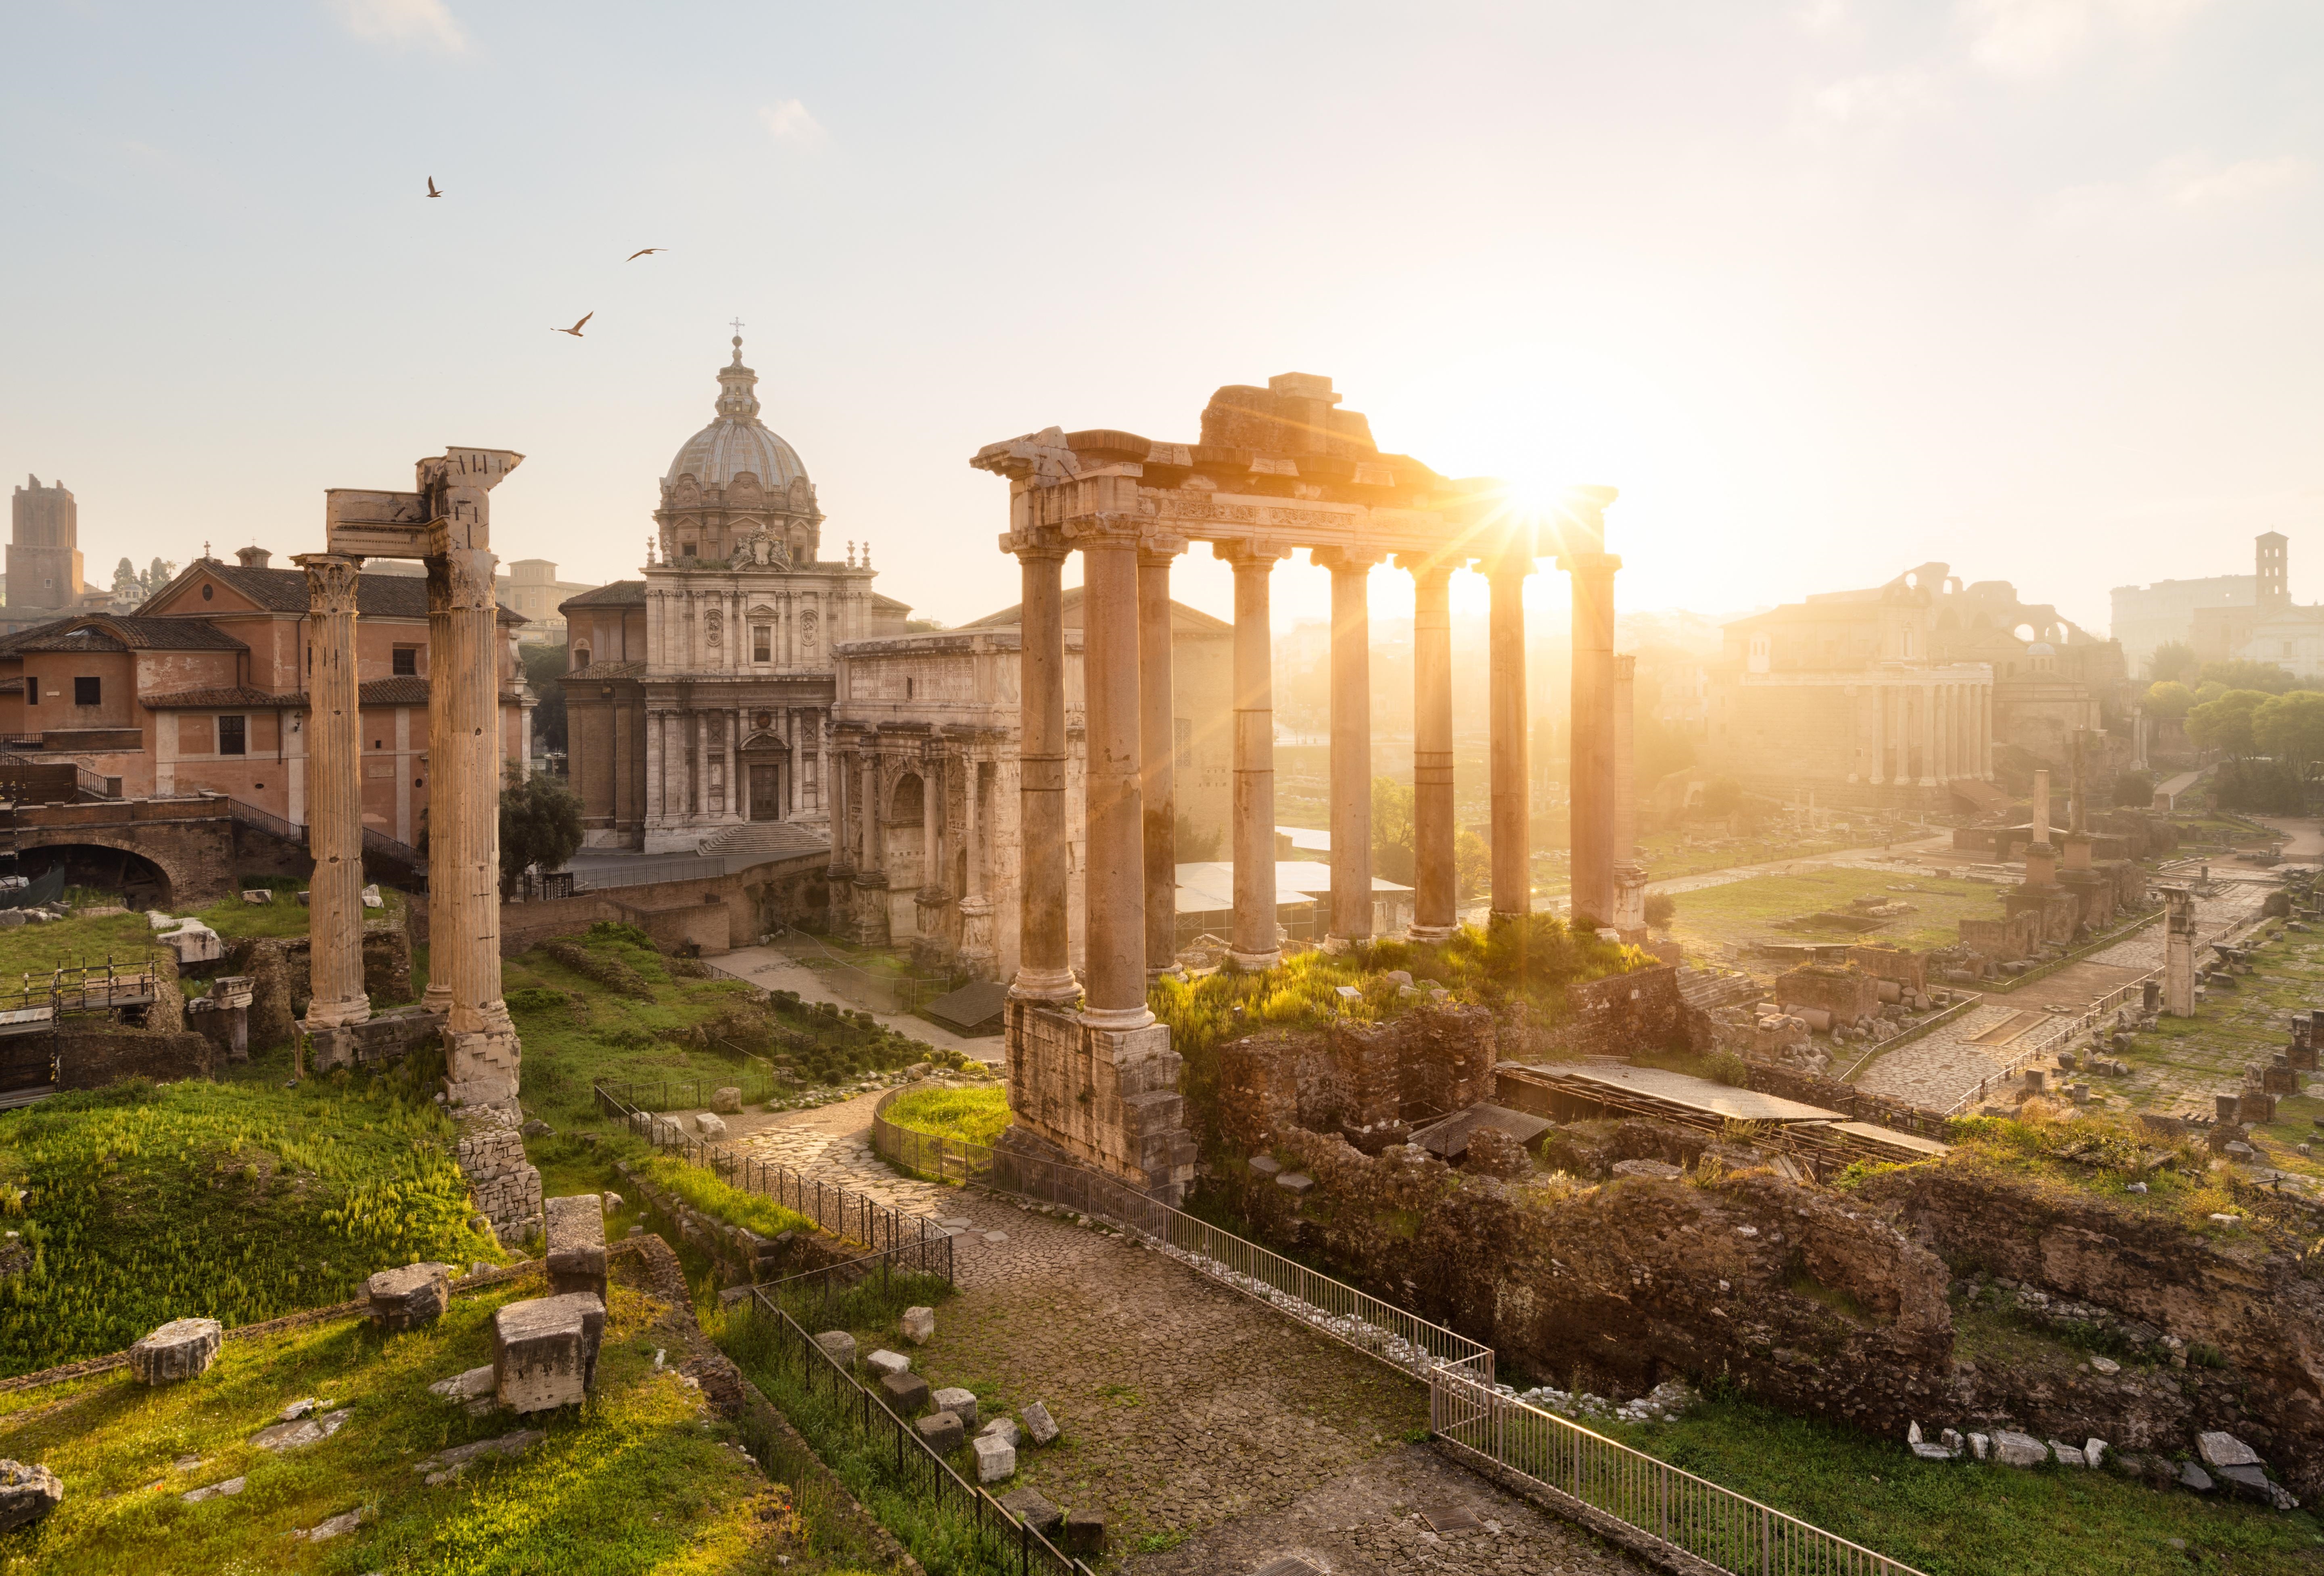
x=699, y=699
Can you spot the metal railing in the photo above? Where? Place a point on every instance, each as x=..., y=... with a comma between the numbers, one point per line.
x=95, y=784
x=1394, y=1336
x=841, y=1211
x=2050, y=1038
x=1591, y=1477
x=917, y=1468
x=265, y=821
x=379, y=845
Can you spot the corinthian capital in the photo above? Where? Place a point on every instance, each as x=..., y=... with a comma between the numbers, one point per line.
x=331, y=579
x=460, y=581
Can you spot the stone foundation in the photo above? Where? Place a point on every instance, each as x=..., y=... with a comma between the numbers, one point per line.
x=491, y=1154
x=1373, y=1082
x=388, y=1038
x=1107, y=1098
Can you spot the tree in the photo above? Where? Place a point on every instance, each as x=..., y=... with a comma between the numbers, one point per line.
x=2265, y=677
x=2173, y=659
x=1472, y=864
x=2134, y=788
x=541, y=824
x=544, y=671
x=2169, y=701
x=1661, y=908
x=1393, y=846
x=2290, y=729
x=2225, y=725
x=127, y=587
x=159, y=574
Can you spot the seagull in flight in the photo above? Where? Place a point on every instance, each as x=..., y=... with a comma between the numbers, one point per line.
x=431, y=187
x=575, y=329
x=644, y=252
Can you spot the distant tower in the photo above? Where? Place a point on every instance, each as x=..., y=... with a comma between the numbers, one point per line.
x=43, y=547
x=2273, y=555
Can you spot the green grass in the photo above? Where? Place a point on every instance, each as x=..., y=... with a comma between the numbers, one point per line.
x=968, y=1116
x=237, y=1202
x=1742, y=912
x=641, y=1479
x=1966, y=1519
x=720, y=1199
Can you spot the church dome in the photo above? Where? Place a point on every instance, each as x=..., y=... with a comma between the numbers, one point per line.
x=737, y=441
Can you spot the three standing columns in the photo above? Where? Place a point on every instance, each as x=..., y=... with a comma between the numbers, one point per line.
x=1435, y=896
x=1256, y=941
x=335, y=794
x=1043, y=967
x=1351, y=743
x=1156, y=739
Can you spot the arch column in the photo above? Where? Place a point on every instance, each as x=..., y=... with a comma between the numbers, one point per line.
x=872, y=928
x=335, y=795
x=1435, y=895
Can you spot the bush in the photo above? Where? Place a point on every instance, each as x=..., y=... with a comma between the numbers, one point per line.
x=721, y=1200
x=1729, y=1069
x=1661, y=908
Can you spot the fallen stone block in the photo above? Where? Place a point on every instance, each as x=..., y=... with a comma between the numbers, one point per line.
x=727, y=1102
x=213, y=1490
x=28, y=1491
x=336, y=1526
x=2094, y=1452
x=306, y=1430
x=445, y=1466
x=408, y=1298
x=1039, y=1425
x=465, y=1387
x=996, y=1459
x=1660, y=1169
x=838, y=1345
x=1033, y=1509
x=545, y=1350
x=941, y=1431
x=959, y=1402
x=710, y=1125
x=1981, y=1445
x=905, y=1394
x=182, y=1349
x=1296, y=1182
x=2012, y=1448
x=2192, y=1476
x=1002, y=1427
x=1084, y=1532
x=2224, y=1450
x=2067, y=1455
x=919, y=1325
x=883, y=1362
x=573, y=1228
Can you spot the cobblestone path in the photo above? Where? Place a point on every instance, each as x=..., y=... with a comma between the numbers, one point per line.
x=1942, y=1066
x=1191, y=1415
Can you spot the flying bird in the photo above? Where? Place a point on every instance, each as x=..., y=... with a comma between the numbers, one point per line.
x=431, y=187
x=575, y=329
x=644, y=252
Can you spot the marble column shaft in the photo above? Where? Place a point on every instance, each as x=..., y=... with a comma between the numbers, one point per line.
x=1044, y=971
x=1351, y=744
x=1158, y=746
x=1256, y=941
x=333, y=794
x=1113, y=891
x=1435, y=895
x=464, y=890
x=1592, y=773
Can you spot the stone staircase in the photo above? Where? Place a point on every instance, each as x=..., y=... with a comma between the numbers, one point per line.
x=1705, y=991
x=759, y=840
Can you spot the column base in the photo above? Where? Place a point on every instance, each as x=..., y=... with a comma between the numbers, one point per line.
x=868, y=925
x=976, y=957
x=1339, y=946
x=1045, y=986
x=1430, y=935
x=1497, y=916
x=1118, y=1020
x=483, y=1065
x=335, y=1015
x=1255, y=962
x=1106, y=1097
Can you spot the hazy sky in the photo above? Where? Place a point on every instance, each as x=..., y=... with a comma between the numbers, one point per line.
x=1827, y=290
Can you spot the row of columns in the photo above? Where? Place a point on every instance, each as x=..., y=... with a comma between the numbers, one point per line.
x=1943, y=726
x=1129, y=890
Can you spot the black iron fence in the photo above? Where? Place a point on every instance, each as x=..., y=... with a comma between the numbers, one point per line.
x=1008, y=1541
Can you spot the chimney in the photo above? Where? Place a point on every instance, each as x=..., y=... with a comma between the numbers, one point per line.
x=253, y=557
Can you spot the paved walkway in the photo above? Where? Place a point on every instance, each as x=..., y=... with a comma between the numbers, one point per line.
x=1939, y=1069
x=770, y=969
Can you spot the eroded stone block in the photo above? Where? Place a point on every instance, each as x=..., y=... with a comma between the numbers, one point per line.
x=727, y=1102
x=959, y=1402
x=838, y=1345
x=2012, y=1448
x=545, y=1350
x=182, y=1349
x=575, y=1230
x=409, y=1297
x=28, y=1491
x=1039, y=1425
x=1032, y=1508
x=996, y=1459
x=941, y=1431
x=919, y=1325
x=904, y=1393
x=884, y=1362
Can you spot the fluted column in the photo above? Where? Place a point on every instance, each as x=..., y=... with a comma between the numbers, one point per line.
x=1435, y=895
x=1158, y=747
x=1626, y=799
x=464, y=889
x=1113, y=892
x=447, y=826
x=1256, y=942
x=976, y=952
x=1505, y=710
x=333, y=794
x=1044, y=971
x=1352, y=742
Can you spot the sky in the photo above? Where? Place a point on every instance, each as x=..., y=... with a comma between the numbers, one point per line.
x=1826, y=289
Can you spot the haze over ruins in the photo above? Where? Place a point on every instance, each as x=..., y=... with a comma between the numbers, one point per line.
x=1302, y=794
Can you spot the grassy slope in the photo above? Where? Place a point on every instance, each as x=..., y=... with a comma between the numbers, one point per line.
x=240, y=1201
x=972, y=1116
x=1972, y=1520
x=640, y=1479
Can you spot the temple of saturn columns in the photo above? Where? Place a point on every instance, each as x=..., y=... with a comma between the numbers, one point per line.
x=1275, y=469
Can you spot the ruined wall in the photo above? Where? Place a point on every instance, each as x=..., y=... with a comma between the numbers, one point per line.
x=1618, y=1015
x=1105, y=1097
x=1351, y=1076
x=1848, y=995
x=1907, y=967
x=749, y=901
x=94, y=1058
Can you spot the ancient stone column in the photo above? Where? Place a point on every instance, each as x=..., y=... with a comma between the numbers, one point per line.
x=1436, y=897
x=2042, y=854
x=1625, y=776
x=1504, y=686
x=1879, y=732
x=2179, y=952
x=976, y=949
x=1926, y=696
x=1985, y=733
x=1114, y=886
x=446, y=824
x=1157, y=747
x=1593, y=772
x=1351, y=743
x=1044, y=972
x=871, y=926
x=333, y=794
x=1257, y=939
x=463, y=882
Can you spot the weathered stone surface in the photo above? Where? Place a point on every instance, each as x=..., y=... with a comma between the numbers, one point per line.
x=1033, y=1509
x=336, y=1526
x=710, y=1125
x=996, y=1459
x=904, y=1393
x=2067, y=1455
x=883, y=1361
x=2224, y=1450
x=215, y=1490
x=2012, y=1448
x=919, y=1325
x=182, y=1349
x=727, y=1102
x=838, y=1345
x=1653, y=1168
x=306, y=1430
x=574, y=1228
x=1085, y=1533
x=1002, y=1427
x=1038, y=1424
x=408, y=1298
x=2192, y=1476
x=959, y=1402
x=2094, y=1452
x=445, y=1466
x=465, y=1387
x=545, y=1350
x=28, y=1491
x=941, y=1431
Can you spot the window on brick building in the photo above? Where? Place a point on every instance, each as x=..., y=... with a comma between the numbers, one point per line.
x=89, y=692
x=403, y=662
x=233, y=735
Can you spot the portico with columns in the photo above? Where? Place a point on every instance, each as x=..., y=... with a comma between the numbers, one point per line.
x=1091, y=1073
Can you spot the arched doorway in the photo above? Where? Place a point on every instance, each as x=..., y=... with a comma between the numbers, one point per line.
x=141, y=883
x=766, y=769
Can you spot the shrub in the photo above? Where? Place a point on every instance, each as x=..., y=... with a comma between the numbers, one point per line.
x=1661, y=908
x=1730, y=1069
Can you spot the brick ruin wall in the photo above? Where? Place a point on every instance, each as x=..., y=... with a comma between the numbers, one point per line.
x=1617, y=1016
x=1104, y=1098
x=1372, y=1082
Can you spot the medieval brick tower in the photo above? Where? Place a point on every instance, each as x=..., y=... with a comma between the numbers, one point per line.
x=43, y=547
